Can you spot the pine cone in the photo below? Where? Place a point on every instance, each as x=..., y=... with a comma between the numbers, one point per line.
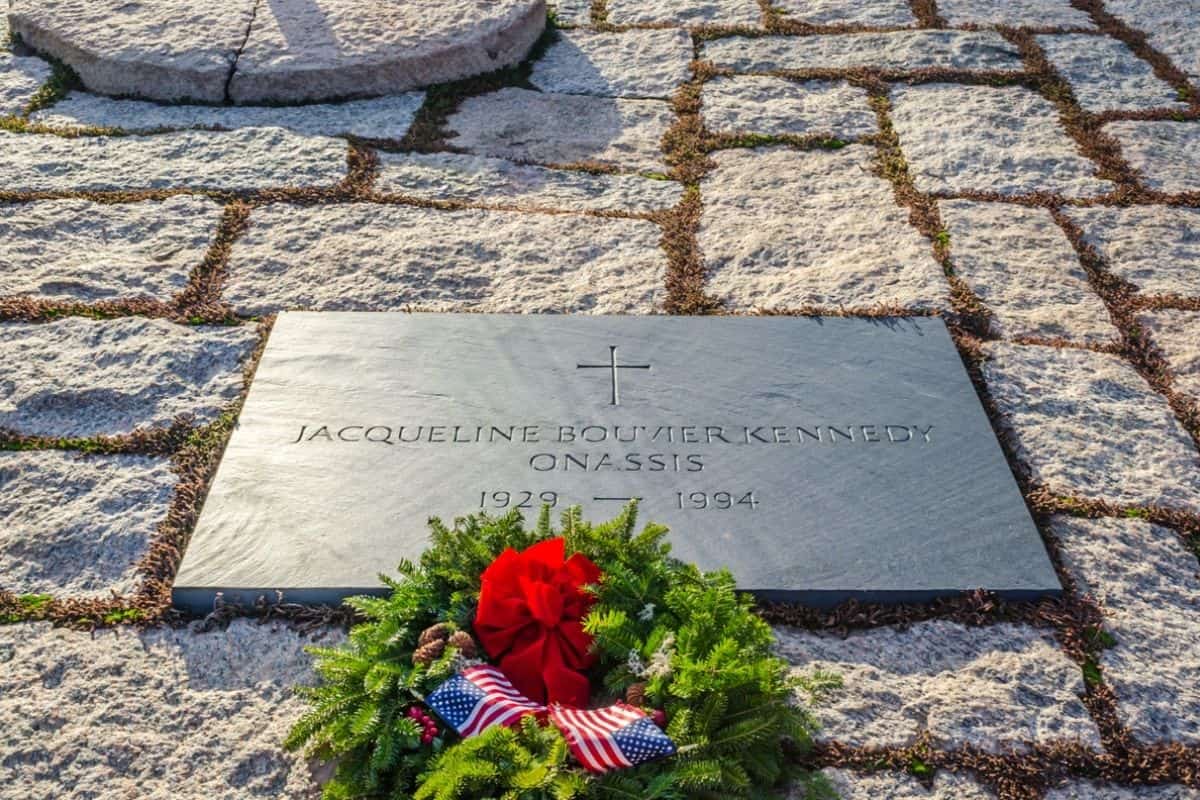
x=438, y=632
x=635, y=695
x=428, y=652
x=464, y=643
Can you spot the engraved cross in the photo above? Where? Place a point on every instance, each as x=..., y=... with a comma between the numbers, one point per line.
x=613, y=367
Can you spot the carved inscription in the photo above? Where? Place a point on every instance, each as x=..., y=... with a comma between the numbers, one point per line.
x=547, y=450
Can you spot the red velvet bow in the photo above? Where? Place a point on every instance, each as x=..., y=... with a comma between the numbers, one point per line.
x=531, y=608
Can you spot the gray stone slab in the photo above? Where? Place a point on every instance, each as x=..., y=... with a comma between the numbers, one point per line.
x=252, y=158
x=1148, y=583
x=898, y=50
x=995, y=687
x=775, y=106
x=1106, y=75
x=1169, y=25
x=849, y=12
x=120, y=713
x=819, y=459
x=255, y=51
x=375, y=118
x=877, y=784
x=1005, y=139
x=85, y=377
x=78, y=250
x=1019, y=263
x=1177, y=334
x=1016, y=13
x=1156, y=248
x=1087, y=790
x=649, y=63
x=684, y=12
x=166, y=50
x=1087, y=425
x=785, y=228
x=319, y=49
x=1165, y=152
x=77, y=525
x=500, y=182
x=524, y=125
x=371, y=257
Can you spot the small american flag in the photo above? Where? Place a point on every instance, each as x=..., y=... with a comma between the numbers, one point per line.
x=611, y=738
x=478, y=698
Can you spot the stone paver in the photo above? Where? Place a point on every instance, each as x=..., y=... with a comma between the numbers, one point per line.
x=77, y=250
x=118, y=713
x=901, y=786
x=1105, y=75
x=1087, y=425
x=1022, y=267
x=1016, y=13
x=900, y=50
x=1148, y=583
x=1170, y=26
x=562, y=128
x=849, y=12
x=784, y=228
x=648, y=63
x=20, y=75
x=1177, y=334
x=78, y=525
x=376, y=118
x=84, y=377
x=1156, y=248
x=380, y=257
x=247, y=159
x=1086, y=790
x=169, y=50
x=1166, y=153
x=775, y=106
x=685, y=12
x=321, y=49
x=989, y=139
x=992, y=687
x=495, y=181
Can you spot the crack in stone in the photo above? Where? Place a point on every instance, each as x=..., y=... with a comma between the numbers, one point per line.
x=238, y=53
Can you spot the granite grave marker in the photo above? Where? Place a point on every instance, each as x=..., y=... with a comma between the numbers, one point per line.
x=818, y=459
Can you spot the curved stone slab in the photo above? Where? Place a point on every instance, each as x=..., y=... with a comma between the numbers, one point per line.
x=306, y=50
x=254, y=51
x=160, y=49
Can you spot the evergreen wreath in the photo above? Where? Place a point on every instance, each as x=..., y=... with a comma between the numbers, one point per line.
x=681, y=643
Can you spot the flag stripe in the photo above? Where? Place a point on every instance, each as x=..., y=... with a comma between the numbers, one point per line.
x=594, y=734
x=606, y=751
x=592, y=738
x=611, y=738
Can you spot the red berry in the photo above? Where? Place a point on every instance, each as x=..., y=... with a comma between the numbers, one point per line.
x=659, y=717
x=415, y=713
x=427, y=738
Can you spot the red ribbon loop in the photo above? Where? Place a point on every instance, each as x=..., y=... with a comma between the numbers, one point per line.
x=531, y=607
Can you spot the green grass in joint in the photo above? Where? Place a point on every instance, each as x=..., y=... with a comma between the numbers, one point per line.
x=60, y=83
x=1091, y=673
x=30, y=606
